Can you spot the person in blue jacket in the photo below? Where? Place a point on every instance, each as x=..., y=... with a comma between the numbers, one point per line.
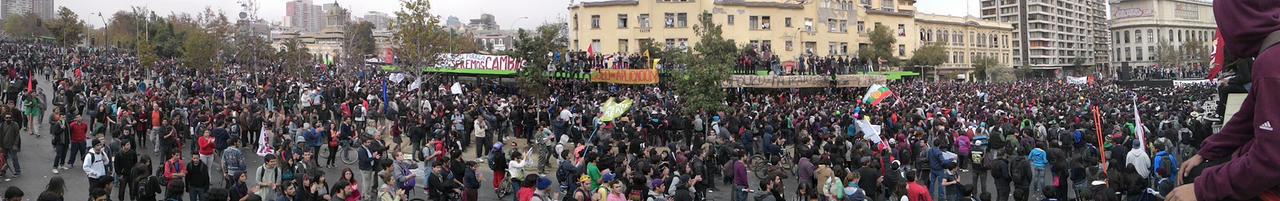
x=1039, y=163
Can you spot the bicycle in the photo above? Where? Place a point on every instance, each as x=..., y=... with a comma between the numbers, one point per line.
x=762, y=164
x=504, y=188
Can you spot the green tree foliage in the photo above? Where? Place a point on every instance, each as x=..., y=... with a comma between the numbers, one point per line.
x=533, y=50
x=931, y=55
x=984, y=68
x=68, y=29
x=147, y=55
x=361, y=38
x=419, y=37
x=296, y=57
x=699, y=86
x=1194, y=53
x=199, y=50
x=28, y=25
x=881, y=47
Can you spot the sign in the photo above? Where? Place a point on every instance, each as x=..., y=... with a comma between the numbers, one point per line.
x=860, y=80
x=1200, y=82
x=612, y=110
x=479, y=62
x=1132, y=13
x=396, y=77
x=625, y=76
x=802, y=81
x=1077, y=80
x=264, y=148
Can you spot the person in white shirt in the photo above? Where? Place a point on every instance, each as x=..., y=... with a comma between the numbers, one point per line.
x=516, y=166
x=1140, y=160
x=95, y=164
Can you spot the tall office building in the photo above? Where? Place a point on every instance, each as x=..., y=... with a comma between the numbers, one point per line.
x=379, y=19
x=304, y=16
x=42, y=8
x=1050, y=35
x=1141, y=26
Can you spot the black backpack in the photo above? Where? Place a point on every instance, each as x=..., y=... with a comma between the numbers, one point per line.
x=1019, y=170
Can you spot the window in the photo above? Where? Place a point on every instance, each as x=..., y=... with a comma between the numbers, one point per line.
x=575, y=22
x=682, y=19
x=808, y=24
x=671, y=21
x=622, y=21
x=844, y=48
x=902, y=30
x=622, y=45
x=595, y=21
x=1171, y=35
x=1128, y=55
x=860, y=27
x=1139, y=54
x=844, y=26
x=595, y=45
x=730, y=20
x=1137, y=36
x=831, y=25
x=1126, y=37
x=1152, y=50
x=810, y=47
x=644, y=20
x=765, y=22
x=866, y=2
x=766, y=45
x=787, y=22
x=1149, y=38
x=753, y=22
x=788, y=45
x=671, y=42
x=832, y=49
x=886, y=5
x=684, y=42
x=902, y=50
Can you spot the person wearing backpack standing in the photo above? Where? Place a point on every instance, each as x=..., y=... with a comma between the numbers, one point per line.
x=1020, y=173
x=1000, y=173
x=232, y=162
x=268, y=177
x=95, y=164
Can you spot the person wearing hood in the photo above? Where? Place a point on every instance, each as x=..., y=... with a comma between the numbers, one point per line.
x=656, y=189
x=1140, y=160
x=1247, y=142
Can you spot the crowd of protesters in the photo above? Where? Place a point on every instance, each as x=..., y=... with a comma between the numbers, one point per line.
x=1025, y=140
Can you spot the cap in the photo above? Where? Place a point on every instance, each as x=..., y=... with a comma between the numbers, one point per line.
x=606, y=178
x=655, y=184
x=543, y=183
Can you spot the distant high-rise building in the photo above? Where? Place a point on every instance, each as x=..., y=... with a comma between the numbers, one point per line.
x=379, y=19
x=1053, y=35
x=42, y=8
x=454, y=23
x=486, y=22
x=304, y=16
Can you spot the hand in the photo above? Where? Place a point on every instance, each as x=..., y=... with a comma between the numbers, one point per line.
x=1187, y=166
x=1183, y=193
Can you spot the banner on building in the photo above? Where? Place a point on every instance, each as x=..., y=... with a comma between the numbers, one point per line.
x=802, y=81
x=479, y=62
x=625, y=76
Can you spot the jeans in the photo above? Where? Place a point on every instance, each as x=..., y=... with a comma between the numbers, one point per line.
x=123, y=187
x=1002, y=193
x=1038, y=175
x=196, y=193
x=12, y=154
x=60, y=155
x=739, y=193
x=370, y=183
x=936, y=177
x=76, y=150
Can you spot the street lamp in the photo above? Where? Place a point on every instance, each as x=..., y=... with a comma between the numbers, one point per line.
x=105, y=24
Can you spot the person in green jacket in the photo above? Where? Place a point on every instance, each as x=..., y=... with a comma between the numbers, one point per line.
x=34, y=106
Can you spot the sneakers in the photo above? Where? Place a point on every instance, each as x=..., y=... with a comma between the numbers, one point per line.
x=55, y=170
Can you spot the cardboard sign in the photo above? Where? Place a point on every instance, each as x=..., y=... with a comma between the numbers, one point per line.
x=625, y=76
x=802, y=81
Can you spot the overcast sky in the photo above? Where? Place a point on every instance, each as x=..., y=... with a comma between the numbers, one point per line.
x=509, y=13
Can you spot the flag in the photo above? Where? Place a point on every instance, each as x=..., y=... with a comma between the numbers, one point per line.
x=264, y=148
x=384, y=97
x=876, y=93
x=655, y=62
x=29, y=84
x=1138, y=128
x=612, y=110
x=869, y=132
x=591, y=51
x=1218, y=58
x=646, y=53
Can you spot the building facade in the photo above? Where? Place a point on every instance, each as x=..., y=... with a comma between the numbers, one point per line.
x=1052, y=34
x=789, y=29
x=966, y=40
x=378, y=19
x=42, y=8
x=1139, y=27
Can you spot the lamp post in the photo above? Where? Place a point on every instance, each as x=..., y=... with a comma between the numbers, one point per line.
x=105, y=25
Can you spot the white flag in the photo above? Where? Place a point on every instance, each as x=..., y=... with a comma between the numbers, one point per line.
x=1137, y=126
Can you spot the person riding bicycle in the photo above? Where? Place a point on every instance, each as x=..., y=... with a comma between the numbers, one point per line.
x=773, y=150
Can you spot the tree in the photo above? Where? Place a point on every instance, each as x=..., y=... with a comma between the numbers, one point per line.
x=881, y=47
x=699, y=86
x=28, y=25
x=68, y=29
x=419, y=36
x=999, y=73
x=984, y=67
x=199, y=50
x=1195, y=54
x=296, y=57
x=1166, y=55
x=357, y=41
x=147, y=55
x=932, y=54
x=533, y=51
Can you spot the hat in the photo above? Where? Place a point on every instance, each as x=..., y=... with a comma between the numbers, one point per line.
x=301, y=139
x=606, y=178
x=655, y=184
x=584, y=178
x=543, y=183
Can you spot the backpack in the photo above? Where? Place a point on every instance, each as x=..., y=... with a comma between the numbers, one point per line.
x=1020, y=171
x=405, y=172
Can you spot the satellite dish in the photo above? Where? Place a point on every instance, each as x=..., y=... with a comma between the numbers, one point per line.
x=244, y=15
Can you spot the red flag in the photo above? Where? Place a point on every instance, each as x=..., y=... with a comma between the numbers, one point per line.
x=77, y=73
x=29, y=84
x=590, y=53
x=1218, y=58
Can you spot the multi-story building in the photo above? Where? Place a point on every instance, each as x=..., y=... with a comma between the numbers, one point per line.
x=1051, y=34
x=1139, y=27
x=485, y=22
x=42, y=8
x=379, y=19
x=966, y=40
x=303, y=16
x=788, y=28
x=1101, y=37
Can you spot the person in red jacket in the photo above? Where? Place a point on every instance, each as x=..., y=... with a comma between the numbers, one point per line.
x=77, y=149
x=174, y=169
x=915, y=191
x=207, y=144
